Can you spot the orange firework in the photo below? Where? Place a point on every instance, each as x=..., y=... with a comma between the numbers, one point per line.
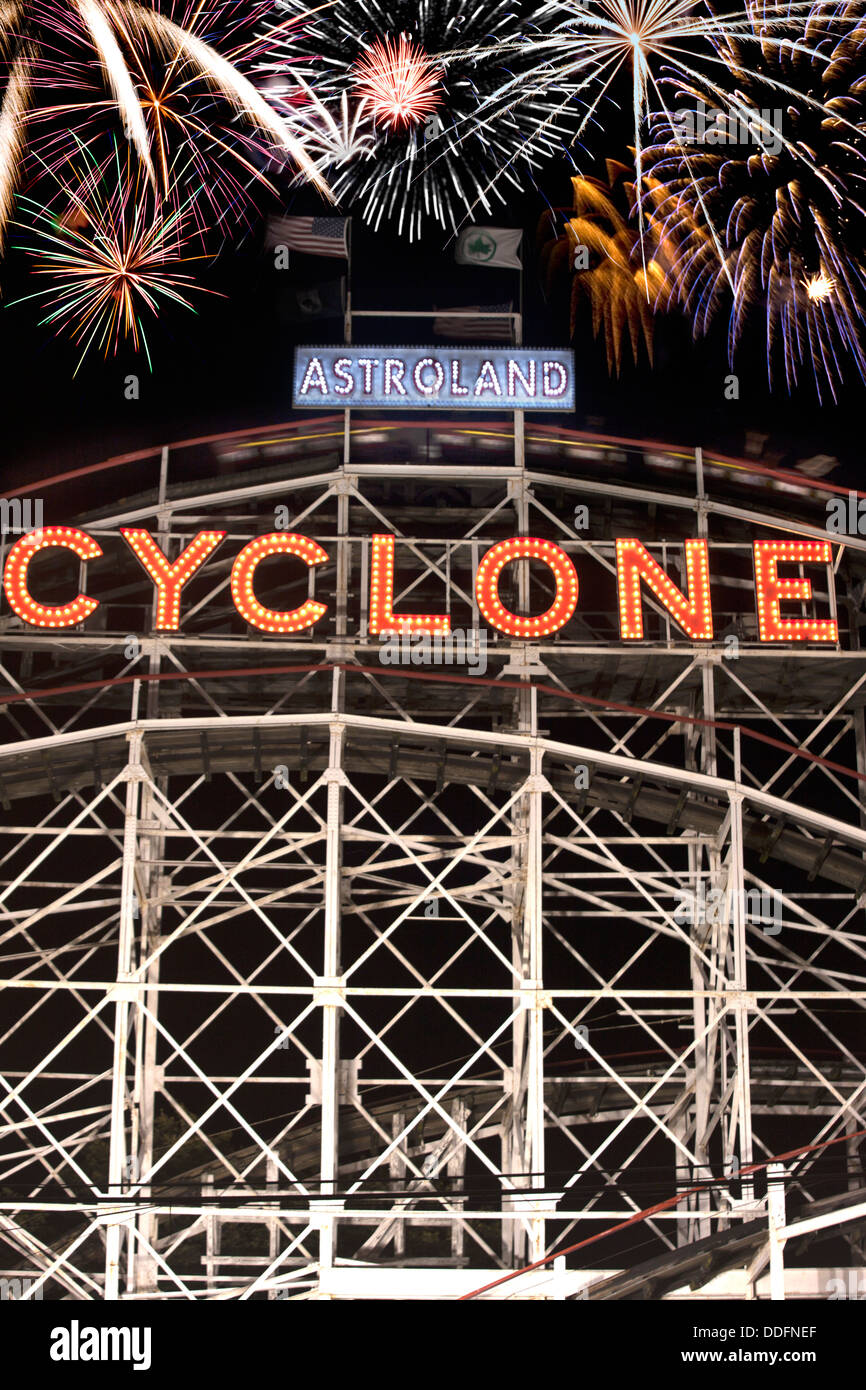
x=398, y=81
x=625, y=282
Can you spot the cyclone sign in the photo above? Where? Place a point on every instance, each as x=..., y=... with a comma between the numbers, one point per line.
x=390, y=378
x=637, y=574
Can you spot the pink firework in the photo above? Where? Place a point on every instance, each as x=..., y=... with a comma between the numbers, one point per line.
x=397, y=81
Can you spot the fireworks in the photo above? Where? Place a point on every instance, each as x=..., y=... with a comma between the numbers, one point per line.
x=331, y=142
x=600, y=245
x=162, y=79
x=110, y=253
x=398, y=81
x=430, y=162
x=748, y=200
x=771, y=216
x=12, y=115
x=594, y=49
x=819, y=286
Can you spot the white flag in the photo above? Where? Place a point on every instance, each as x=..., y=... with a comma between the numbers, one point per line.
x=489, y=246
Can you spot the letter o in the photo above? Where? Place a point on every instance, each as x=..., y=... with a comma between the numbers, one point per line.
x=432, y=389
x=526, y=548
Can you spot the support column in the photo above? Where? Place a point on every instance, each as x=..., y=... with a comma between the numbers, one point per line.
x=534, y=1135
x=155, y=886
x=704, y=866
x=123, y=994
x=142, y=1272
x=776, y=1223
x=739, y=983
x=522, y=1151
x=456, y=1170
x=397, y=1171
x=706, y=937
x=212, y=1232
x=335, y=778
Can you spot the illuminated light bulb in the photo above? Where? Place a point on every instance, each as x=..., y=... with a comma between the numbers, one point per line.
x=487, y=586
x=382, y=617
x=15, y=577
x=771, y=591
x=243, y=578
x=693, y=615
x=170, y=579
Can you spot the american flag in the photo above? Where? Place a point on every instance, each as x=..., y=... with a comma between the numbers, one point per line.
x=317, y=236
x=477, y=328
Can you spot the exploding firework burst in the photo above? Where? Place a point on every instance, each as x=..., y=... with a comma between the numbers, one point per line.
x=600, y=247
x=190, y=129
x=438, y=164
x=111, y=255
x=398, y=81
x=331, y=140
x=591, y=50
x=166, y=83
x=772, y=213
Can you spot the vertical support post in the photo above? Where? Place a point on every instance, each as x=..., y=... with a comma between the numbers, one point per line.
x=330, y=1006
x=397, y=1170
x=739, y=981
x=534, y=1142
x=519, y=415
x=343, y=561
x=776, y=1221
x=518, y=1138
x=272, y=1183
x=117, y=1145
x=707, y=1051
x=703, y=1087
x=456, y=1169
x=163, y=480
x=859, y=722
x=700, y=492
x=212, y=1231
x=678, y=1125
x=142, y=1270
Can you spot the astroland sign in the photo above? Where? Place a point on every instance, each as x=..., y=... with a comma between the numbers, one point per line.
x=392, y=378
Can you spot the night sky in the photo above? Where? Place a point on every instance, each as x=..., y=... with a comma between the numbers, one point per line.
x=229, y=365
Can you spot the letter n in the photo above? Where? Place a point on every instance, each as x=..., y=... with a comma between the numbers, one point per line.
x=693, y=614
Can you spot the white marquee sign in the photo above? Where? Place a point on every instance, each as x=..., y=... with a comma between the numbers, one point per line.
x=389, y=378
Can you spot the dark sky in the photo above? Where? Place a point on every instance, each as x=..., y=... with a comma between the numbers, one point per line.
x=229, y=365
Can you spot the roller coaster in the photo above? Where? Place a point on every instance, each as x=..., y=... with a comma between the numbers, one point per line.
x=329, y=978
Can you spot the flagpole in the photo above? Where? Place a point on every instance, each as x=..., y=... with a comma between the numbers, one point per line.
x=347, y=334
x=519, y=436
x=520, y=301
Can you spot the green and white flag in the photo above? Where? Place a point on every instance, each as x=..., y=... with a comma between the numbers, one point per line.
x=489, y=246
